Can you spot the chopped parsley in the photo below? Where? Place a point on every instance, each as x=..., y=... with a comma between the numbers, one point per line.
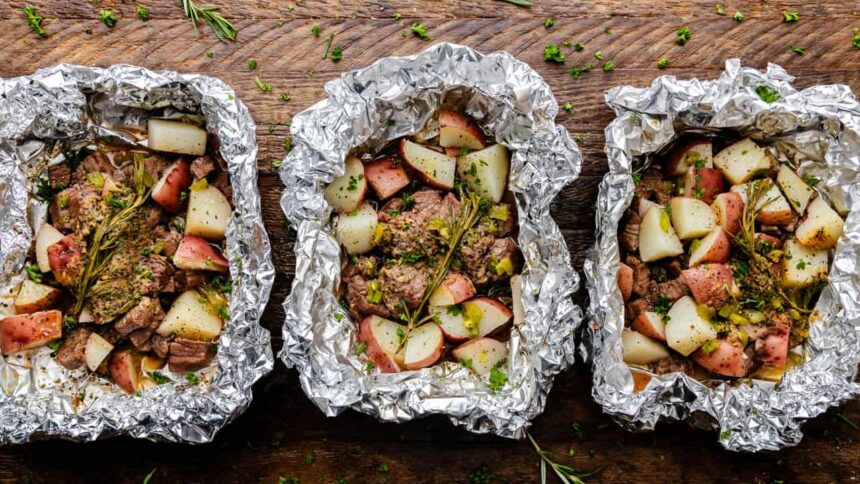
x=552, y=53
x=277, y=439
x=336, y=53
x=721, y=10
x=410, y=257
x=288, y=144
x=420, y=30
x=548, y=23
x=400, y=334
x=108, y=18
x=34, y=273
x=812, y=180
x=801, y=265
x=637, y=177
x=684, y=35
x=662, y=306
x=598, y=55
x=369, y=367
x=798, y=49
x=114, y=203
x=34, y=20
x=739, y=17
x=568, y=107
x=221, y=284
x=408, y=201
x=725, y=434
x=315, y=30
x=383, y=468
x=361, y=348
x=578, y=47
x=310, y=458
x=142, y=12
x=790, y=16
x=663, y=63
x=767, y=93
x=157, y=377
x=192, y=378
x=498, y=378
x=579, y=139
x=577, y=71
x=396, y=16
x=466, y=362
x=252, y=64
x=261, y=85
x=608, y=66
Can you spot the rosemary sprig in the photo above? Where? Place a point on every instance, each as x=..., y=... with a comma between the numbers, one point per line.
x=327, y=45
x=107, y=237
x=222, y=28
x=470, y=212
x=566, y=473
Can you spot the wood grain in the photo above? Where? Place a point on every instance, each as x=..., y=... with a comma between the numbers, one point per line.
x=353, y=446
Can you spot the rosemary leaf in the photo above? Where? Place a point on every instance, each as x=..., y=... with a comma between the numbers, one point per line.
x=220, y=26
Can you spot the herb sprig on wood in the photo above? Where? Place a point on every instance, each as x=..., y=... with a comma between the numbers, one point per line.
x=220, y=26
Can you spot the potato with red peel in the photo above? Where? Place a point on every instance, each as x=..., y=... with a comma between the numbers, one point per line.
x=34, y=297
x=196, y=253
x=191, y=317
x=346, y=192
x=124, y=367
x=486, y=171
x=452, y=322
x=691, y=218
x=27, y=331
x=434, y=168
x=794, y=188
x=454, y=289
x=650, y=324
x=423, y=346
x=645, y=205
x=386, y=176
x=714, y=248
x=703, y=184
x=772, y=208
x=625, y=281
x=168, y=190
x=481, y=355
x=459, y=131
x=382, y=338
x=772, y=350
x=493, y=313
x=768, y=240
x=208, y=213
x=64, y=258
x=711, y=284
x=821, y=228
x=356, y=231
x=46, y=237
x=724, y=357
x=687, y=329
x=640, y=349
x=657, y=238
x=685, y=155
x=742, y=161
x=729, y=208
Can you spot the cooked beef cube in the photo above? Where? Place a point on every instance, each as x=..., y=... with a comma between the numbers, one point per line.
x=629, y=237
x=202, y=166
x=142, y=316
x=155, y=274
x=160, y=345
x=391, y=210
x=76, y=208
x=110, y=334
x=97, y=162
x=481, y=254
x=674, y=289
x=59, y=176
x=637, y=306
x=140, y=338
x=151, y=216
x=650, y=186
x=169, y=237
x=72, y=353
x=187, y=355
x=223, y=183
x=409, y=230
x=359, y=306
x=642, y=283
x=184, y=280
x=673, y=364
x=61, y=218
x=403, y=284
x=364, y=266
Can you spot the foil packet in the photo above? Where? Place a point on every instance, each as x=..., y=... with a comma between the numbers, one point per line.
x=68, y=107
x=818, y=128
x=365, y=110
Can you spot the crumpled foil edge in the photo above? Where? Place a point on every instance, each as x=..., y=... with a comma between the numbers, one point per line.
x=760, y=415
x=392, y=98
x=48, y=105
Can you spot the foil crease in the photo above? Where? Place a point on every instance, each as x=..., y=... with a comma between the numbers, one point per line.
x=73, y=105
x=367, y=108
x=817, y=127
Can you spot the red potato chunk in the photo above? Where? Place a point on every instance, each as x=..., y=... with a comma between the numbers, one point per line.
x=773, y=348
x=386, y=176
x=64, y=258
x=382, y=340
x=167, y=192
x=124, y=367
x=196, y=253
x=26, y=331
x=727, y=358
x=625, y=281
x=768, y=239
x=685, y=155
x=711, y=284
x=455, y=289
x=703, y=184
x=714, y=248
x=650, y=324
x=729, y=208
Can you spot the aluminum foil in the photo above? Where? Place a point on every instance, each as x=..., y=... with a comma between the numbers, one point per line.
x=72, y=106
x=817, y=127
x=368, y=108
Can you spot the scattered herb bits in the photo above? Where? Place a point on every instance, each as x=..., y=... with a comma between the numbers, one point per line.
x=396, y=16
x=252, y=64
x=798, y=49
x=790, y=16
x=767, y=93
x=34, y=21
x=108, y=18
x=142, y=12
x=721, y=9
x=608, y=66
x=738, y=16
x=315, y=31
x=285, y=97
x=662, y=63
x=336, y=53
x=552, y=53
x=261, y=85
x=420, y=30
x=220, y=26
x=683, y=35
x=598, y=55
x=577, y=71
x=548, y=23
x=568, y=107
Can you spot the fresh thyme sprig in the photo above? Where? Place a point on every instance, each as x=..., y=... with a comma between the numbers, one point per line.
x=566, y=473
x=470, y=212
x=222, y=28
x=107, y=237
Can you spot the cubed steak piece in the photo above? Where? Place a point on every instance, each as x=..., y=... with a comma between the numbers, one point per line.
x=141, y=316
x=154, y=274
x=403, y=283
x=188, y=355
x=72, y=353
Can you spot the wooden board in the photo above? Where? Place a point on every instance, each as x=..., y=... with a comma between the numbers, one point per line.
x=282, y=428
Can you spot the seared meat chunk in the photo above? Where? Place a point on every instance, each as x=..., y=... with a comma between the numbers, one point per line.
x=110, y=334
x=223, y=183
x=629, y=237
x=642, y=283
x=674, y=289
x=169, y=239
x=650, y=186
x=403, y=284
x=147, y=312
x=673, y=363
x=77, y=208
x=97, y=162
x=636, y=307
x=482, y=255
x=72, y=353
x=187, y=355
x=391, y=209
x=408, y=229
x=59, y=176
x=154, y=274
x=364, y=266
x=159, y=345
x=202, y=166
x=356, y=295
x=183, y=280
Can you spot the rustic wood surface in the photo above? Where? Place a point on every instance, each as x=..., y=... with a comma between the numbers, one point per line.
x=352, y=446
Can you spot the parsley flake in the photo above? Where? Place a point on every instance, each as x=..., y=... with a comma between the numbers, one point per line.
x=315, y=31
x=34, y=20
x=767, y=93
x=798, y=49
x=108, y=18
x=252, y=64
x=662, y=63
x=721, y=10
x=738, y=17
x=790, y=16
x=420, y=30
x=142, y=12
x=684, y=34
x=498, y=378
x=552, y=53
x=548, y=23
x=608, y=66
x=261, y=85
x=568, y=107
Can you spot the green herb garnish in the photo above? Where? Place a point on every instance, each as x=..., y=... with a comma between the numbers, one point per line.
x=738, y=17
x=798, y=49
x=790, y=16
x=142, y=12
x=315, y=30
x=34, y=273
x=336, y=53
x=552, y=53
x=721, y=10
x=608, y=66
x=262, y=86
x=34, y=20
x=157, y=377
x=662, y=63
x=498, y=378
x=767, y=93
x=548, y=23
x=222, y=29
x=577, y=71
x=108, y=18
x=420, y=30
x=252, y=64
x=684, y=35
x=192, y=378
